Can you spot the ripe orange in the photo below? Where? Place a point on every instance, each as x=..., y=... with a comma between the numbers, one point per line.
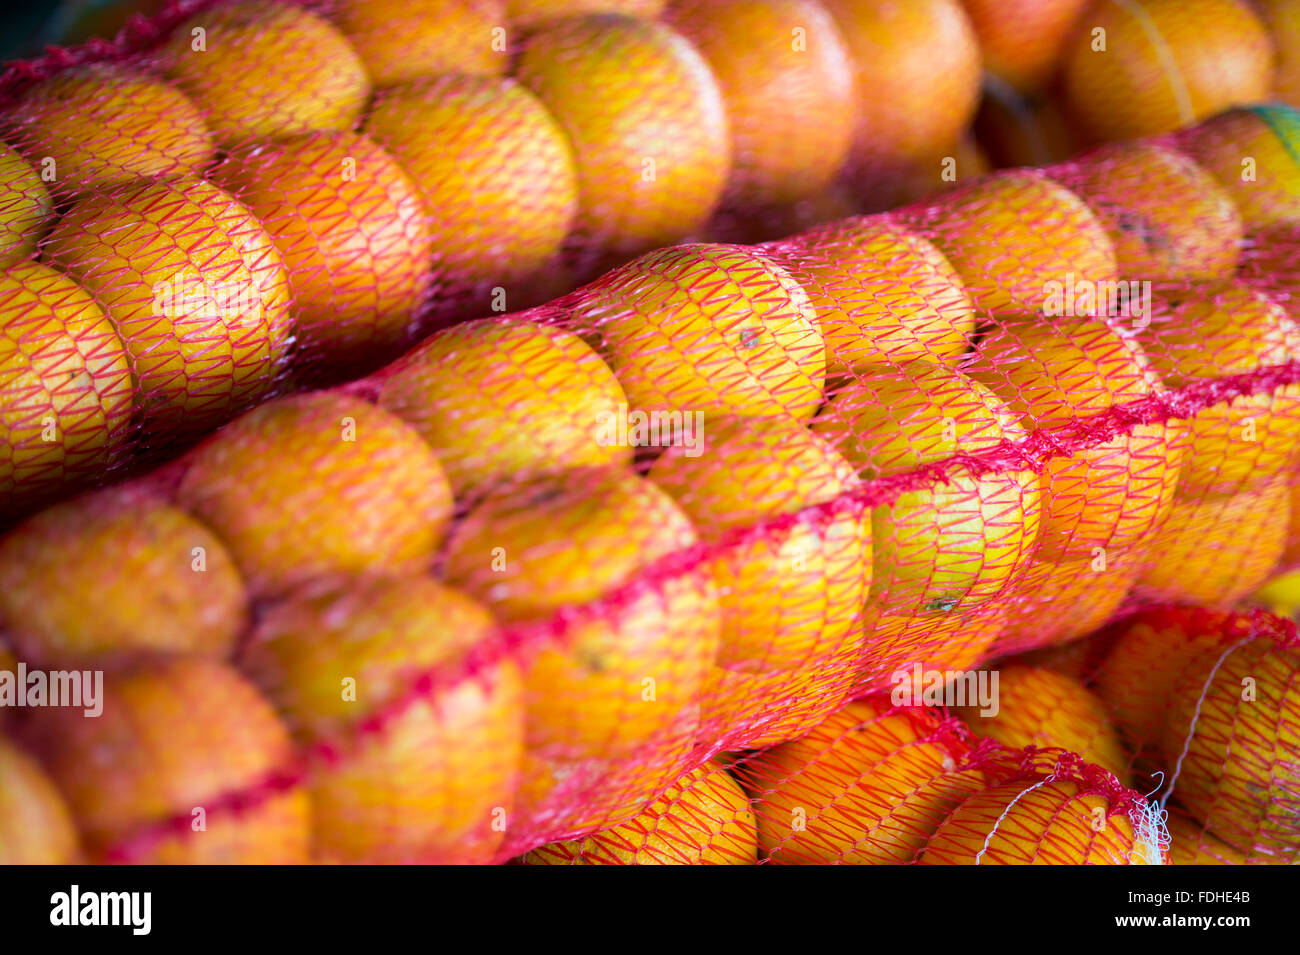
x=1282, y=19
x=777, y=62
x=184, y=273
x=880, y=292
x=646, y=121
x=1022, y=40
x=429, y=785
x=894, y=646
x=704, y=818
x=400, y=40
x=529, y=13
x=36, y=827
x=353, y=233
x=173, y=741
x=257, y=71
x=717, y=329
x=1163, y=64
x=315, y=484
x=117, y=574
x=106, y=124
x=1191, y=844
x=25, y=206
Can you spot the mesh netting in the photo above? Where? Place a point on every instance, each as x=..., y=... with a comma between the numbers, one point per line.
x=455, y=514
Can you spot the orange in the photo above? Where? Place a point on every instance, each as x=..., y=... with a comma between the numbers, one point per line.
x=1169, y=219
x=351, y=228
x=704, y=818
x=315, y=484
x=992, y=232
x=36, y=827
x=1163, y=64
x=1039, y=821
x=946, y=545
x=880, y=292
x=65, y=383
x=646, y=121
x=529, y=13
x=494, y=170
x=117, y=574
x=866, y=787
x=1022, y=40
x=399, y=40
x=1190, y=844
x=259, y=71
x=436, y=782
x=25, y=206
x=106, y=124
x=895, y=645
x=186, y=276
x=1282, y=19
x=174, y=741
x=777, y=62
x=503, y=399
x=717, y=329
x=1052, y=371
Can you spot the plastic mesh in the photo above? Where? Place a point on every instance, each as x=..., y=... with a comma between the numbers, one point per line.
x=700, y=552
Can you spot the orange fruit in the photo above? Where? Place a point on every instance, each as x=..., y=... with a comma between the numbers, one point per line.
x=258, y=71
x=895, y=646
x=1163, y=64
x=118, y=574
x=777, y=62
x=315, y=484
x=1216, y=331
x=907, y=111
x=1022, y=40
x=992, y=232
x=717, y=329
x=503, y=399
x=880, y=292
x=866, y=787
x=186, y=275
x=1168, y=219
x=1190, y=844
x=105, y=124
x=1030, y=130
x=1283, y=22
x=353, y=233
x=25, y=206
x=430, y=783
x=704, y=818
x=406, y=39
x=943, y=546
x=65, y=384
x=529, y=13
x=1052, y=371
x=646, y=122
x=36, y=827
x=174, y=741
x=494, y=171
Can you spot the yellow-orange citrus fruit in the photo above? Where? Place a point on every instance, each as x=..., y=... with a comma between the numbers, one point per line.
x=646, y=121
x=200, y=301
x=117, y=574
x=354, y=235
x=1282, y=18
x=25, y=206
x=627, y=674
x=528, y=13
x=992, y=231
x=778, y=63
x=1052, y=371
x=1212, y=332
x=704, y=818
x=36, y=827
x=947, y=545
x=907, y=110
x=866, y=787
x=1139, y=68
x=1254, y=154
x=1169, y=219
x=259, y=71
x=174, y=740
x=316, y=484
x=1191, y=844
x=1021, y=41
x=493, y=168
x=1037, y=707
x=790, y=595
x=400, y=40
x=1024, y=130
x=503, y=399
x=717, y=329
x=897, y=647
x=880, y=292
x=65, y=383
x=104, y=124
x=429, y=785
x=1040, y=821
